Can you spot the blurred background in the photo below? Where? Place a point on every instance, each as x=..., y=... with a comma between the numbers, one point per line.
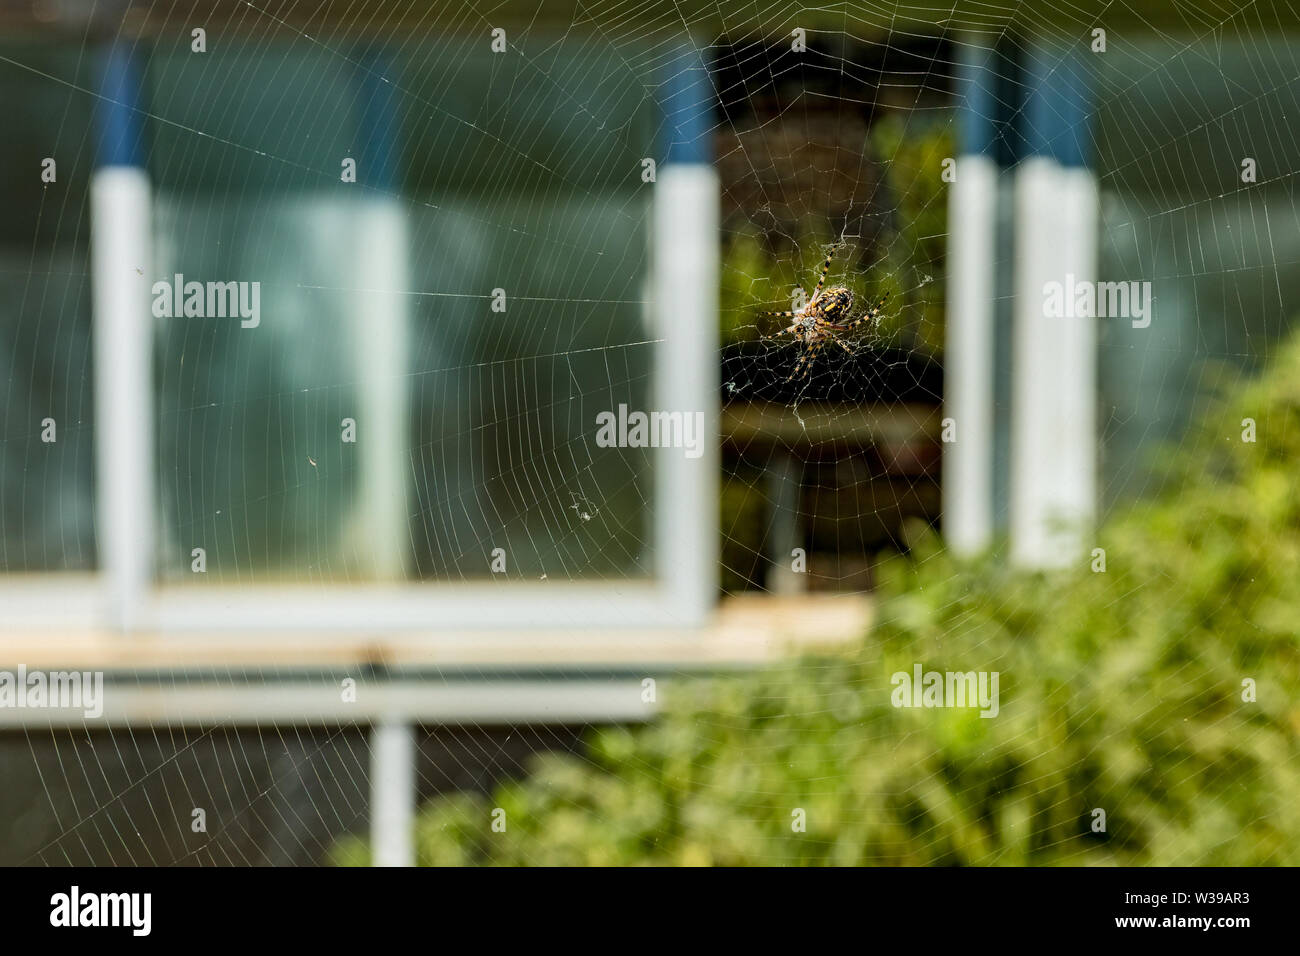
x=358, y=575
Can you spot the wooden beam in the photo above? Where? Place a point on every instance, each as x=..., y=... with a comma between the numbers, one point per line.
x=745, y=631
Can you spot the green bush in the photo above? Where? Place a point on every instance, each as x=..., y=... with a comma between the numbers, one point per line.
x=1120, y=690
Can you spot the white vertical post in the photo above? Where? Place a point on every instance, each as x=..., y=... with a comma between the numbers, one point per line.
x=686, y=267
x=381, y=533
x=1054, y=443
x=392, y=794
x=380, y=341
x=121, y=271
x=968, y=356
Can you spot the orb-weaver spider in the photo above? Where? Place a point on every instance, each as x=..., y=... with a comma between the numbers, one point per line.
x=825, y=314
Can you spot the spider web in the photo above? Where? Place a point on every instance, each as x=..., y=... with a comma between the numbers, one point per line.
x=830, y=143
x=517, y=176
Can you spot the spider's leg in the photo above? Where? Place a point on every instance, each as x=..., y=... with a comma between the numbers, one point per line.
x=841, y=344
x=786, y=315
x=812, y=357
x=803, y=357
x=870, y=315
x=788, y=330
x=805, y=361
x=826, y=267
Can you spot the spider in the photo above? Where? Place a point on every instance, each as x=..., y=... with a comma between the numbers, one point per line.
x=825, y=314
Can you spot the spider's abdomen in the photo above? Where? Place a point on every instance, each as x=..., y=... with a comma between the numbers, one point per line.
x=835, y=305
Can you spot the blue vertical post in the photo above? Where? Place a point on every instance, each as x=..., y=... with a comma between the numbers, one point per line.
x=687, y=100
x=686, y=249
x=379, y=125
x=121, y=279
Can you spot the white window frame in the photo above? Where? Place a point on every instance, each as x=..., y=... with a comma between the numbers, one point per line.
x=126, y=596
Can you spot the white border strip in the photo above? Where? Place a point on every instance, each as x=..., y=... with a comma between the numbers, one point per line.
x=1054, y=388
x=968, y=356
x=475, y=703
x=121, y=269
x=686, y=267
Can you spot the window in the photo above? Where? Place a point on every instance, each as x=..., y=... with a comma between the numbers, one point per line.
x=363, y=386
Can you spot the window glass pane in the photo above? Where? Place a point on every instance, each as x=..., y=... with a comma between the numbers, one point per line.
x=47, y=408
x=388, y=414
x=1175, y=212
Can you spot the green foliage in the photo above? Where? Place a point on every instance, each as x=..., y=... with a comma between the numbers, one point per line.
x=912, y=269
x=1120, y=690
